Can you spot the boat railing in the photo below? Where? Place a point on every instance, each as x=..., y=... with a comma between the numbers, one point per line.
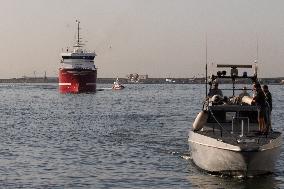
x=240, y=125
x=219, y=124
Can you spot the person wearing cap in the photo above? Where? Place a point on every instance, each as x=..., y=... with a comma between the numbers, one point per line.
x=244, y=93
x=215, y=90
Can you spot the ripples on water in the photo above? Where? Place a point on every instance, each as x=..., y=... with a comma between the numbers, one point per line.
x=134, y=138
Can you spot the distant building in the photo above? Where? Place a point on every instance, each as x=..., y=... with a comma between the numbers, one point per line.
x=135, y=78
x=143, y=77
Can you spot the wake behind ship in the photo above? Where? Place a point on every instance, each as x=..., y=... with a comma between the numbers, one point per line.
x=77, y=72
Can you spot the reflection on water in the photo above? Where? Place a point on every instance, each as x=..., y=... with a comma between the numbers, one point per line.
x=204, y=180
x=134, y=138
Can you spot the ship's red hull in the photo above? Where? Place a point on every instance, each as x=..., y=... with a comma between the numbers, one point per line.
x=77, y=80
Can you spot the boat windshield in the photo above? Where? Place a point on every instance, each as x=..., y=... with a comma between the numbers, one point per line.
x=223, y=116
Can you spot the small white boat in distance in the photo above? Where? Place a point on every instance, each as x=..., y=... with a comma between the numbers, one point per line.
x=117, y=85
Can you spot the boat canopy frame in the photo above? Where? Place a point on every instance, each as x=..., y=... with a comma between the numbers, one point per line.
x=233, y=75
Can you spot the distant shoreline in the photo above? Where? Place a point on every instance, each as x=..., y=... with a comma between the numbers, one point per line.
x=277, y=80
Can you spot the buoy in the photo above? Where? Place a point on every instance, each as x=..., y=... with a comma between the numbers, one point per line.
x=200, y=120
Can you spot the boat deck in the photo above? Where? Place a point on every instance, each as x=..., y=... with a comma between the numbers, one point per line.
x=251, y=139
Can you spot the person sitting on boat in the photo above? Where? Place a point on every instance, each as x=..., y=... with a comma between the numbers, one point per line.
x=260, y=102
x=230, y=100
x=215, y=91
x=244, y=93
x=269, y=101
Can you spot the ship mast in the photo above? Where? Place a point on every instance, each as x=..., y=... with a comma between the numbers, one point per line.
x=78, y=39
x=78, y=44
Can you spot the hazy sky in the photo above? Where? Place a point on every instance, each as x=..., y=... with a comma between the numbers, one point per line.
x=159, y=37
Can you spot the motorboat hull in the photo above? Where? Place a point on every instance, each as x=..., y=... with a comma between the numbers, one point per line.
x=215, y=156
x=118, y=87
x=77, y=80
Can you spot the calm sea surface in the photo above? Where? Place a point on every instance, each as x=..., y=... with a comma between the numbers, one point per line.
x=134, y=138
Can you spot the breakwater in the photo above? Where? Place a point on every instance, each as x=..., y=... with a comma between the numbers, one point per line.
x=276, y=80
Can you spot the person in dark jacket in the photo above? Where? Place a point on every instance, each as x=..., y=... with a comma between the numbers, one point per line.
x=268, y=96
x=269, y=100
x=259, y=100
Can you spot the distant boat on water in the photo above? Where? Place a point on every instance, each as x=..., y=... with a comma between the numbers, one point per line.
x=169, y=80
x=77, y=72
x=117, y=85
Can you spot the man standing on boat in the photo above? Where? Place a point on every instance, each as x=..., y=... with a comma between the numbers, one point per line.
x=269, y=101
x=260, y=102
x=215, y=90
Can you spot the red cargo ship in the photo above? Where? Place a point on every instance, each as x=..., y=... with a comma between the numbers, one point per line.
x=77, y=72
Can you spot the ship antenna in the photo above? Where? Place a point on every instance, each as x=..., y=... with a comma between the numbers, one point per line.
x=78, y=33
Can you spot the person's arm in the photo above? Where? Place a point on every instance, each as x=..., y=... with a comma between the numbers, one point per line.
x=254, y=99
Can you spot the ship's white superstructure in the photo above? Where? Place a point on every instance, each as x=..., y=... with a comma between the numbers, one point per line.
x=77, y=72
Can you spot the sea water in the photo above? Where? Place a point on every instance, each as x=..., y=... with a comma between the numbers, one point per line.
x=133, y=138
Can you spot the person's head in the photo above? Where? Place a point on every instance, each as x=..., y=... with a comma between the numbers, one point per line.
x=265, y=88
x=225, y=99
x=215, y=85
x=257, y=86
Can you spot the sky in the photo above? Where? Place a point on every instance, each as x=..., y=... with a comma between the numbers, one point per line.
x=161, y=38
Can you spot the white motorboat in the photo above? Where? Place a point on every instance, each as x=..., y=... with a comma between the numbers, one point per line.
x=225, y=138
x=117, y=85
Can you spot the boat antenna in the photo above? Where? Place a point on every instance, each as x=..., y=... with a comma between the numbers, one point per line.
x=257, y=49
x=206, y=68
x=256, y=61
